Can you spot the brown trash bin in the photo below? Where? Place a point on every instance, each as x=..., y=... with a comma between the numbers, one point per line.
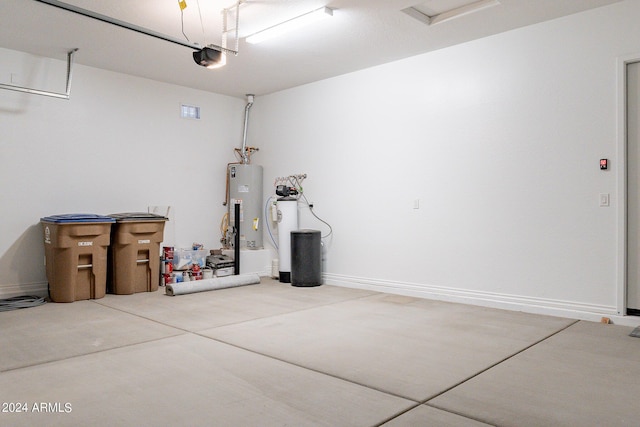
x=134, y=255
x=75, y=248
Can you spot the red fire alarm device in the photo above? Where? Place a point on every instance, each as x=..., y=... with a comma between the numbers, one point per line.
x=604, y=163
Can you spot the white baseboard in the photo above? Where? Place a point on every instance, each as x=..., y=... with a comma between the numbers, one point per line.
x=39, y=289
x=549, y=307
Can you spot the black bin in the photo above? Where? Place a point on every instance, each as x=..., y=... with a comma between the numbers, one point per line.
x=306, y=258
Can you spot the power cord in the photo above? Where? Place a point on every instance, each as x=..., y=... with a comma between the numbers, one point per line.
x=310, y=205
x=19, y=302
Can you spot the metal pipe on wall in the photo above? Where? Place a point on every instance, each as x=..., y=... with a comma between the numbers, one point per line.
x=243, y=151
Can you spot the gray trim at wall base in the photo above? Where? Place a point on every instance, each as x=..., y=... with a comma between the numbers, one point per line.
x=40, y=289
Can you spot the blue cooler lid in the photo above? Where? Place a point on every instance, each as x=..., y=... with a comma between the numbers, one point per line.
x=137, y=216
x=77, y=217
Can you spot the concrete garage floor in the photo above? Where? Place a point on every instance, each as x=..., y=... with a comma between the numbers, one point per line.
x=276, y=355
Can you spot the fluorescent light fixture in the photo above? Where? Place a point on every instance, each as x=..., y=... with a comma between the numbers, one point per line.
x=416, y=13
x=290, y=25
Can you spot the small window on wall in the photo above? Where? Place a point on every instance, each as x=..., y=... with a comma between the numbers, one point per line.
x=189, y=112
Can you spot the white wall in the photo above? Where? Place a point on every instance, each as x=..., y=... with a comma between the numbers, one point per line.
x=499, y=139
x=119, y=145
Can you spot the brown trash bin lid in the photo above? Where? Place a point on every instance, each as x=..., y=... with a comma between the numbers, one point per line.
x=137, y=217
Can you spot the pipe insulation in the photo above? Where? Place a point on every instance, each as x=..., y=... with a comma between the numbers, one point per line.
x=236, y=240
x=183, y=288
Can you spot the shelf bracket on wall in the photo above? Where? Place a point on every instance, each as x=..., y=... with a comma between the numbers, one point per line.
x=32, y=91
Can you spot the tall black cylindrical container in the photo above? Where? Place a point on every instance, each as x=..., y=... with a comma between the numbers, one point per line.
x=306, y=258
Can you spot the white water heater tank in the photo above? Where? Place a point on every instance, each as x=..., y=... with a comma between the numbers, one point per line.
x=245, y=187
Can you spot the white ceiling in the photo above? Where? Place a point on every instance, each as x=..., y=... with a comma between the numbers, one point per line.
x=361, y=34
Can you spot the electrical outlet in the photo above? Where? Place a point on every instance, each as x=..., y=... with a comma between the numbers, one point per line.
x=604, y=200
